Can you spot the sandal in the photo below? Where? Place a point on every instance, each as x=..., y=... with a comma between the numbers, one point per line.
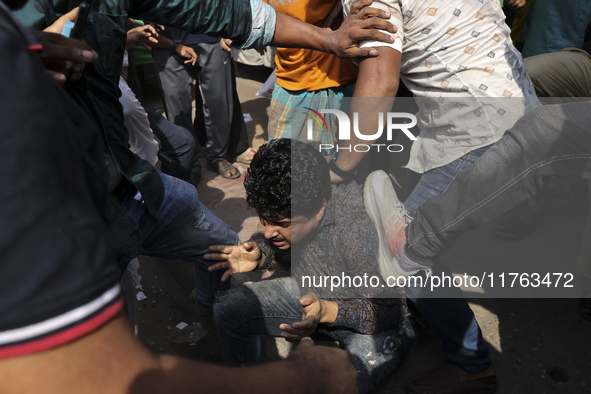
x=247, y=156
x=223, y=168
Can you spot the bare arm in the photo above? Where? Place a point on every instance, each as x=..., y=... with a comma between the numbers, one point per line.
x=375, y=90
x=183, y=51
x=358, y=26
x=112, y=360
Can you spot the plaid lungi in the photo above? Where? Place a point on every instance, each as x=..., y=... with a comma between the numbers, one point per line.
x=290, y=111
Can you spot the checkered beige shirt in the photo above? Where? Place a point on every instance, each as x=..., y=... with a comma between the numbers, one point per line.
x=467, y=77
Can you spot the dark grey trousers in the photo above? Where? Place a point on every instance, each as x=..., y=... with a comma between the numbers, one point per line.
x=224, y=124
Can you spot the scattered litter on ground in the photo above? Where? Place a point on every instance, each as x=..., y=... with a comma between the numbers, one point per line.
x=190, y=334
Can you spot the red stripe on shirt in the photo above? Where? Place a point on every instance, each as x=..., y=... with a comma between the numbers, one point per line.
x=63, y=337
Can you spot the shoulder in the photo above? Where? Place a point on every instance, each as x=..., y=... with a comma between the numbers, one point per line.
x=350, y=215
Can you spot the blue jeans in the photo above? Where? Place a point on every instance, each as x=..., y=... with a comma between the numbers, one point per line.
x=245, y=312
x=184, y=230
x=450, y=318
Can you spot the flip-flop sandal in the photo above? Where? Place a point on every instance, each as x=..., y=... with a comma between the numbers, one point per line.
x=519, y=221
x=246, y=157
x=222, y=167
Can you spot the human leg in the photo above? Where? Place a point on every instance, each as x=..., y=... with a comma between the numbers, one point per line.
x=245, y=312
x=184, y=230
x=548, y=141
x=554, y=75
x=177, y=143
x=290, y=109
x=444, y=309
x=238, y=140
x=176, y=81
x=560, y=74
x=176, y=84
x=551, y=140
x=215, y=83
x=449, y=314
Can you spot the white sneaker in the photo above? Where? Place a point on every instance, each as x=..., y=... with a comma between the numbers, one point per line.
x=391, y=219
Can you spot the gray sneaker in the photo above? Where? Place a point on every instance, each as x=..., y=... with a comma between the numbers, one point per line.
x=390, y=219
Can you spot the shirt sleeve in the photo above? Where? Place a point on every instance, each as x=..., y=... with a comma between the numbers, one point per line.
x=393, y=7
x=263, y=25
x=141, y=137
x=58, y=277
x=250, y=23
x=369, y=315
x=274, y=260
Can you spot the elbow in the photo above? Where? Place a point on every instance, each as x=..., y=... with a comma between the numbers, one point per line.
x=390, y=87
x=386, y=83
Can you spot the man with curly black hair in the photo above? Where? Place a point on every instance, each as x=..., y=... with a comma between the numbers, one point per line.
x=280, y=187
x=317, y=230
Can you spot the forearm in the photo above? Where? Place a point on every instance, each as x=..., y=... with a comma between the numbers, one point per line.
x=293, y=33
x=184, y=375
x=374, y=93
x=163, y=43
x=330, y=311
x=112, y=360
x=213, y=17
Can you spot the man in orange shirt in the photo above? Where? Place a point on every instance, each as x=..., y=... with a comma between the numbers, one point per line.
x=308, y=80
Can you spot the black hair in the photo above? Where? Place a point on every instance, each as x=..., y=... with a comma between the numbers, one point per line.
x=287, y=178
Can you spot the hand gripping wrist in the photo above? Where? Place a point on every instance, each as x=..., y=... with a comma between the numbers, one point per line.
x=174, y=46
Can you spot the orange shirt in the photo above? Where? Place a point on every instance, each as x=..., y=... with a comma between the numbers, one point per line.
x=305, y=69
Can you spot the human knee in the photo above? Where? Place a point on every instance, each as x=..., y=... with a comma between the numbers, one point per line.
x=229, y=304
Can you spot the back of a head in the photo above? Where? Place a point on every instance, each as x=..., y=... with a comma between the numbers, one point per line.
x=287, y=178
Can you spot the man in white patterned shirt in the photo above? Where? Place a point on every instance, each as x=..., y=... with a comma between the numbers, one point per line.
x=469, y=82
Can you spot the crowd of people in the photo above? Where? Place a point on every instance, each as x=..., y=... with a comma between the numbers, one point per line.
x=94, y=180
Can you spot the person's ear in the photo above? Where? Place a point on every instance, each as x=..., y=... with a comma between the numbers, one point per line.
x=320, y=213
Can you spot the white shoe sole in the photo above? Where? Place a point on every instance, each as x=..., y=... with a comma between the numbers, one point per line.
x=376, y=192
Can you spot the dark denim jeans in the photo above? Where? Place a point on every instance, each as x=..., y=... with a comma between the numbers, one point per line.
x=245, y=312
x=184, y=231
x=449, y=315
x=550, y=140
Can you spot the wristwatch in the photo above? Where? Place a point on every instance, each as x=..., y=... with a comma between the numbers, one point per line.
x=347, y=176
x=175, y=44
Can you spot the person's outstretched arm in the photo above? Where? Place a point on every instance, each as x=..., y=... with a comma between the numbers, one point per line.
x=361, y=24
x=112, y=360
